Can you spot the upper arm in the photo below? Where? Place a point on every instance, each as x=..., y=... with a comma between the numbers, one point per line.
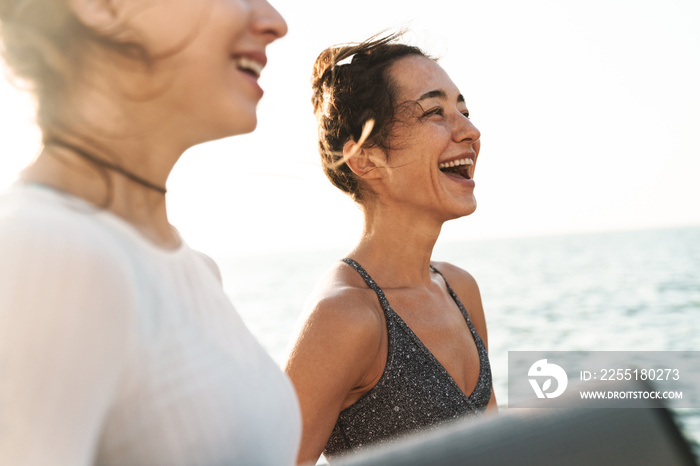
x=334, y=354
x=62, y=334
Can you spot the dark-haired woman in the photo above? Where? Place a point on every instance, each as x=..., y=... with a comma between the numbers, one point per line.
x=118, y=344
x=393, y=341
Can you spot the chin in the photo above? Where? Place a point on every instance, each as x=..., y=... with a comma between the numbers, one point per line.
x=245, y=120
x=245, y=126
x=467, y=210
x=238, y=117
x=249, y=128
x=228, y=131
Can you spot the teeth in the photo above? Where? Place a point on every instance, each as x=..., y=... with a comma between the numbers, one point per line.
x=246, y=63
x=456, y=163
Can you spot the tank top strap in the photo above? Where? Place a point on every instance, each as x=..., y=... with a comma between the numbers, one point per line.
x=371, y=283
x=457, y=301
x=449, y=288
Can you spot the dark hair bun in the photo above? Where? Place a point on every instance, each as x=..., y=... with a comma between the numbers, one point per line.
x=351, y=85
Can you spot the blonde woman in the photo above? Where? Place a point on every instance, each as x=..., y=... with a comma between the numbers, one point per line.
x=117, y=342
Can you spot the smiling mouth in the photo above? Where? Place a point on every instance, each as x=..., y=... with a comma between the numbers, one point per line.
x=249, y=66
x=458, y=168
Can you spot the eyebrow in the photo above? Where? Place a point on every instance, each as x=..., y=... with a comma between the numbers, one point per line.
x=439, y=94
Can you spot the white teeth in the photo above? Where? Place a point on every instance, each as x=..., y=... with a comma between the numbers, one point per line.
x=246, y=63
x=455, y=163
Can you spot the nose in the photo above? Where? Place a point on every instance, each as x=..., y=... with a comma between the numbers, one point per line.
x=268, y=22
x=465, y=130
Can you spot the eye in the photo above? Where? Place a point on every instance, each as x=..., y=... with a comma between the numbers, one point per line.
x=434, y=111
x=466, y=114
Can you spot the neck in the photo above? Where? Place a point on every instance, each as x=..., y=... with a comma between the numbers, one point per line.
x=139, y=204
x=102, y=163
x=118, y=115
x=397, y=245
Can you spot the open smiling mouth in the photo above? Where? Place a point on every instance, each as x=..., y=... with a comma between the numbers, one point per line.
x=249, y=66
x=458, y=168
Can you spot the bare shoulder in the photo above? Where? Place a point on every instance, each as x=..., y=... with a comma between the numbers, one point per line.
x=467, y=290
x=456, y=276
x=342, y=322
x=341, y=299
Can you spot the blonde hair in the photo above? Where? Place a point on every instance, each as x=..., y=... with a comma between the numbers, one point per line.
x=44, y=46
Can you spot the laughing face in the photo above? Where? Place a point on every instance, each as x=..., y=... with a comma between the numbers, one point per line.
x=433, y=146
x=210, y=54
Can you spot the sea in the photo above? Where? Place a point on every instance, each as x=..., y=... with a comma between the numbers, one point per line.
x=614, y=291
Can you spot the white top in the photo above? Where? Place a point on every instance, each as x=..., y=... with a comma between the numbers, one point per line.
x=114, y=351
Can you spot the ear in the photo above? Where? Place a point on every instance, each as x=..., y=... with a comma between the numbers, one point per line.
x=364, y=161
x=98, y=15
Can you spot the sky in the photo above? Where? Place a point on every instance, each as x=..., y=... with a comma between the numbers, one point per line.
x=588, y=111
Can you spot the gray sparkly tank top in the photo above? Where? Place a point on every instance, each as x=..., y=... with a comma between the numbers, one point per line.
x=414, y=392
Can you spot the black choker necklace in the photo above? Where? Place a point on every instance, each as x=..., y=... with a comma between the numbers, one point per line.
x=105, y=164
